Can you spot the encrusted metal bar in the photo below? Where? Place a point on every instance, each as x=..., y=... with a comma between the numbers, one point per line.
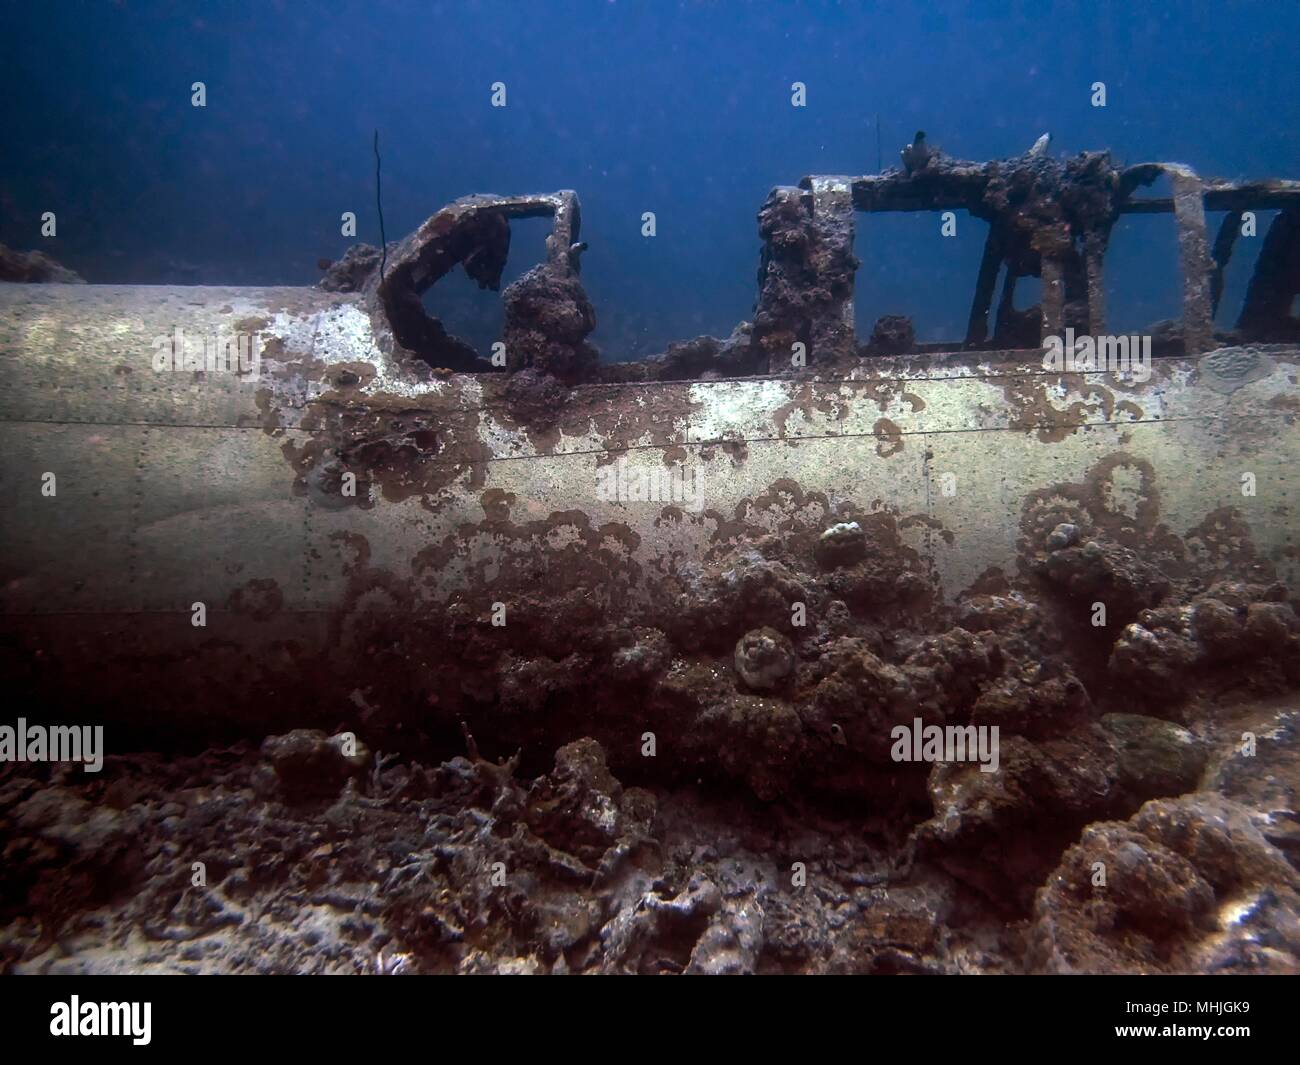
x=805, y=277
x=833, y=219
x=1053, y=298
x=562, y=245
x=473, y=232
x=1094, y=256
x=1193, y=252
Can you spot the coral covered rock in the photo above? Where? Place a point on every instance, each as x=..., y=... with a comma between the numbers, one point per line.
x=764, y=658
x=547, y=320
x=34, y=266
x=1187, y=885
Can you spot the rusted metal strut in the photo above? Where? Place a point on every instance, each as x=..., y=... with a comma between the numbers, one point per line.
x=1047, y=218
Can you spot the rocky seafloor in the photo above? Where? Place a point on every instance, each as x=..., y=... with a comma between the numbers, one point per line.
x=708, y=787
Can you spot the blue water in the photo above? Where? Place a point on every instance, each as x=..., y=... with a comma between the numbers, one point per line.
x=681, y=109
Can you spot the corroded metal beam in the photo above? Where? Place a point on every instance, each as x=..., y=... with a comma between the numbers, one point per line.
x=1219, y=196
x=1194, y=258
x=833, y=218
x=177, y=486
x=1094, y=254
x=1026, y=197
x=1053, y=297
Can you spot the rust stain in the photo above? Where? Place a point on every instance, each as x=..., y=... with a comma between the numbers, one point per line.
x=358, y=545
x=926, y=521
x=1221, y=543
x=399, y=447
x=1118, y=499
x=736, y=450
x=545, y=411
x=351, y=375
x=1092, y=503
x=259, y=599
x=505, y=557
x=889, y=438
x=1030, y=407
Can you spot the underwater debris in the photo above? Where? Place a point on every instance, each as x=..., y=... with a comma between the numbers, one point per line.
x=764, y=657
x=674, y=723
x=805, y=276
x=592, y=875
x=473, y=232
x=1048, y=218
x=1192, y=886
x=547, y=320
x=687, y=693
x=917, y=155
x=350, y=273
x=308, y=764
x=35, y=267
x=893, y=334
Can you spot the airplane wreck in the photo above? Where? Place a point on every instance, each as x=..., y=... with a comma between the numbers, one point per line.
x=385, y=535
x=1047, y=218
x=358, y=384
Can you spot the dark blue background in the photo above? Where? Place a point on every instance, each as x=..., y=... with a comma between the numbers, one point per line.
x=682, y=109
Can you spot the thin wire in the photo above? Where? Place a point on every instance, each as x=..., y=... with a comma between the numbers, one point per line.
x=379, y=202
